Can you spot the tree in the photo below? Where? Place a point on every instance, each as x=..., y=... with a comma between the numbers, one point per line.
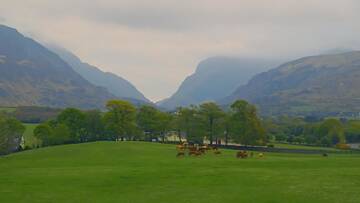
x=352, y=131
x=246, y=126
x=227, y=122
x=163, y=123
x=61, y=135
x=331, y=132
x=189, y=122
x=11, y=131
x=44, y=132
x=147, y=120
x=74, y=119
x=53, y=134
x=94, y=126
x=211, y=116
x=120, y=120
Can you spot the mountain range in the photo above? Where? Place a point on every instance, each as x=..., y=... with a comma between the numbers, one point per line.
x=116, y=85
x=323, y=83
x=32, y=75
x=216, y=78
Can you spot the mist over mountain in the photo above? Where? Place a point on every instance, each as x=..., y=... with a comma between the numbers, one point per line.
x=116, y=85
x=323, y=83
x=215, y=78
x=30, y=74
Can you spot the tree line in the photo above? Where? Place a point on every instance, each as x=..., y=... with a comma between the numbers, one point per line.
x=207, y=122
x=323, y=132
x=123, y=121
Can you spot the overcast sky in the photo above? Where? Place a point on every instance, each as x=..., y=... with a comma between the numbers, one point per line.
x=155, y=44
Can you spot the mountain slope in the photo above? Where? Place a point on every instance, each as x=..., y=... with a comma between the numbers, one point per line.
x=114, y=84
x=215, y=78
x=325, y=83
x=30, y=74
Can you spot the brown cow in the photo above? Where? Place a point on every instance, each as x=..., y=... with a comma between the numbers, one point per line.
x=180, y=154
x=242, y=154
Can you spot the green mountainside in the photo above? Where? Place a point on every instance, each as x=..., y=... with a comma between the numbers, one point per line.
x=30, y=74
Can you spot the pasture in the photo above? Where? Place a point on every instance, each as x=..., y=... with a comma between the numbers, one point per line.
x=7, y=109
x=149, y=172
x=293, y=146
x=29, y=139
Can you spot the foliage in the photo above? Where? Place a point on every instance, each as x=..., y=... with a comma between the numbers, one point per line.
x=123, y=121
x=246, y=127
x=331, y=132
x=212, y=117
x=188, y=123
x=146, y=119
x=11, y=132
x=120, y=120
x=74, y=119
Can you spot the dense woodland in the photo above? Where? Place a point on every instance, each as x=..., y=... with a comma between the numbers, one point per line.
x=206, y=123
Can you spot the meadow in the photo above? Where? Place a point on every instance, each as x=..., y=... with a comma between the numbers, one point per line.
x=7, y=109
x=29, y=139
x=149, y=172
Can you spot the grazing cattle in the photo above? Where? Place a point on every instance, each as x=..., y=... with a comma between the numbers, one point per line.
x=325, y=155
x=194, y=152
x=180, y=147
x=242, y=154
x=202, y=150
x=180, y=154
x=217, y=152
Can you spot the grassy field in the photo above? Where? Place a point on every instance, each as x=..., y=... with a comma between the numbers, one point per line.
x=29, y=139
x=7, y=109
x=292, y=146
x=147, y=172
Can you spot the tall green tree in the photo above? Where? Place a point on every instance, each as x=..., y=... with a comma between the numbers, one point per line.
x=147, y=120
x=352, y=131
x=94, y=126
x=163, y=124
x=331, y=132
x=189, y=123
x=74, y=119
x=44, y=132
x=120, y=119
x=246, y=126
x=211, y=115
x=11, y=131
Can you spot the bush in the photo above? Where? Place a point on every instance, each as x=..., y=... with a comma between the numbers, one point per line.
x=271, y=145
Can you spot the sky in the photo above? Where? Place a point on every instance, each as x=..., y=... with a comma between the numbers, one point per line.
x=155, y=44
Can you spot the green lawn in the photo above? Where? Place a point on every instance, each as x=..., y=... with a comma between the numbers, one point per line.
x=292, y=146
x=148, y=172
x=29, y=139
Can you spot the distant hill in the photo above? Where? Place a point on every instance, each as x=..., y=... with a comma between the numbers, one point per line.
x=31, y=75
x=114, y=84
x=324, y=83
x=214, y=79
